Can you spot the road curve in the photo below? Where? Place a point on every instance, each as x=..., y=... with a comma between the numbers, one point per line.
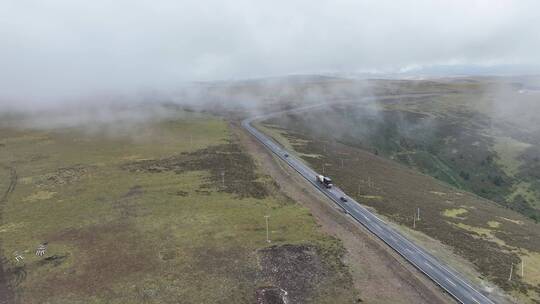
x=448, y=279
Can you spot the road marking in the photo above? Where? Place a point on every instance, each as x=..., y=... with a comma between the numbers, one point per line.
x=462, y=281
x=428, y=265
x=441, y=266
x=474, y=299
x=450, y=281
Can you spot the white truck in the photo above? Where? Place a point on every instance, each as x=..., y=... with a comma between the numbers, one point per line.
x=325, y=181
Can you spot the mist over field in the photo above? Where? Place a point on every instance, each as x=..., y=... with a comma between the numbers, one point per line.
x=123, y=63
x=57, y=51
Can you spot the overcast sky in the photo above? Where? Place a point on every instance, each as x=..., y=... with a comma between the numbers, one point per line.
x=55, y=49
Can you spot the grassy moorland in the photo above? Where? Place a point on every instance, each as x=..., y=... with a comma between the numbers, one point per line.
x=463, y=145
x=144, y=215
x=475, y=140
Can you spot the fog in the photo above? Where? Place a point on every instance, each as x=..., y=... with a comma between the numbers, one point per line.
x=70, y=51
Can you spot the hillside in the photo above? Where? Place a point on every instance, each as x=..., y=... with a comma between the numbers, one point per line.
x=372, y=150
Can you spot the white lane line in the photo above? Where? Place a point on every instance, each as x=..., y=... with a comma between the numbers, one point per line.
x=379, y=219
x=440, y=266
x=475, y=300
x=428, y=264
x=450, y=281
x=392, y=237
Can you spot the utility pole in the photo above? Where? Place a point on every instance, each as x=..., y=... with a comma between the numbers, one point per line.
x=418, y=212
x=414, y=221
x=267, y=231
x=324, y=165
x=223, y=178
x=511, y=269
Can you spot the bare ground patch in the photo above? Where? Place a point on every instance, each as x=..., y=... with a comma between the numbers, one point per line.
x=271, y=295
x=300, y=271
x=297, y=269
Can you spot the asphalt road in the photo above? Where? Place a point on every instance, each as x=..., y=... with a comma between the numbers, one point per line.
x=442, y=275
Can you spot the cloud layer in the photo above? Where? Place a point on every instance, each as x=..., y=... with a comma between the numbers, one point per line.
x=60, y=49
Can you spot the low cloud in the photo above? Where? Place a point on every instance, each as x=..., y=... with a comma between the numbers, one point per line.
x=57, y=50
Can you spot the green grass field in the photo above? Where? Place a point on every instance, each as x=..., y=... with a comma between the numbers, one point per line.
x=143, y=216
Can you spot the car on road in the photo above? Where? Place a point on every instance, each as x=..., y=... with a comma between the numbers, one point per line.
x=343, y=199
x=286, y=155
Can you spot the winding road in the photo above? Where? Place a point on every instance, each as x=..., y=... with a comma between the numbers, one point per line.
x=448, y=279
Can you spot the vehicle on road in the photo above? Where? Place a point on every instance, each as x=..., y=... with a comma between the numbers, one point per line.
x=325, y=181
x=286, y=155
x=343, y=199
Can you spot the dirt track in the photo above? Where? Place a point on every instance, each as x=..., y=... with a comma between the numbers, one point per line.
x=12, y=184
x=6, y=295
x=378, y=273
